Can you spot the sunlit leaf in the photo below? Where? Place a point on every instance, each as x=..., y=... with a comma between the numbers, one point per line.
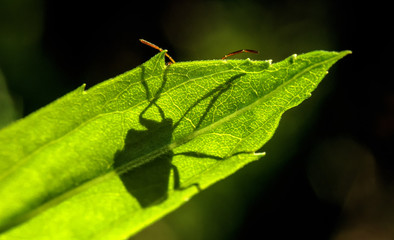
x=106, y=162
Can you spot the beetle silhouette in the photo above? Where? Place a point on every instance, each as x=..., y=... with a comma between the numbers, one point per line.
x=148, y=183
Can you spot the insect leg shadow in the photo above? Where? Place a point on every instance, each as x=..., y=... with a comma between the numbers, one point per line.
x=149, y=182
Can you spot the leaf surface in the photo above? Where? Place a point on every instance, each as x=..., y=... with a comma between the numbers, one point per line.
x=106, y=162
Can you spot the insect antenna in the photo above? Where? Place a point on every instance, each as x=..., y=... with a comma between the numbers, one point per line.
x=240, y=51
x=158, y=48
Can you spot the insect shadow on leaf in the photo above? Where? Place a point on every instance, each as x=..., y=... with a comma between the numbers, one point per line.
x=148, y=182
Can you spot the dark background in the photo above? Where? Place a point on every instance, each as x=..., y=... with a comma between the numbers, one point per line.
x=328, y=173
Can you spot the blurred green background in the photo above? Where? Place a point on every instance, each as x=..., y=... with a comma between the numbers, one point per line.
x=328, y=172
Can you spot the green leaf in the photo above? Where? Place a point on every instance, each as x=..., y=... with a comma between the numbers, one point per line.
x=106, y=162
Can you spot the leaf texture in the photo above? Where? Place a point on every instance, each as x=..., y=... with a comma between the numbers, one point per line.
x=106, y=162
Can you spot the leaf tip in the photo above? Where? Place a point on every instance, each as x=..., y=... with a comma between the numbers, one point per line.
x=342, y=54
x=82, y=88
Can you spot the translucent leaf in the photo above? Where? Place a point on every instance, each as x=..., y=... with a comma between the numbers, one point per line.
x=106, y=162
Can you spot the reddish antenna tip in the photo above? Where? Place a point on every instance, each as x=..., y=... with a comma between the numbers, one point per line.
x=157, y=48
x=240, y=51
